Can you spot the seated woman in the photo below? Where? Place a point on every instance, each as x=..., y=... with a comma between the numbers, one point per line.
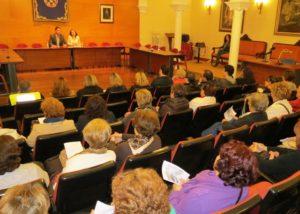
x=246, y=76
x=73, y=39
x=140, y=81
x=280, y=93
x=90, y=86
x=207, y=97
x=12, y=172
x=31, y=198
x=223, y=49
x=116, y=83
x=146, y=125
x=140, y=191
x=96, y=134
x=95, y=108
x=179, y=77
x=144, y=101
x=176, y=103
x=257, y=103
x=61, y=88
x=235, y=169
x=54, y=122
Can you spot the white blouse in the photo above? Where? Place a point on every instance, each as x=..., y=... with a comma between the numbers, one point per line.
x=74, y=41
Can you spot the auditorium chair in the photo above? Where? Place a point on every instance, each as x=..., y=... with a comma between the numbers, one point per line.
x=282, y=196
x=238, y=106
x=249, y=88
x=192, y=155
x=219, y=95
x=232, y=93
x=175, y=127
x=161, y=90
x=6, y=110
x=21, y=45
x=36, y=45
x=118, y=96
x=3, y=46
x=155, y=47
x=118, y=108
x=162, y=48
x=92, y=44
x=162, y=99
x=192, y=95
x=204, y=117
x=74, y=113
x=80, y=190
x=47, y=146
x=105, y=44
x=69, y=102
x=286, y=125
x=27, y=122
x=30, y=107
x=180, y=59
x=133, y=105
x=264, y=132
x=10, y=123
x=84, y=98
x=148, y=46
x=117, y=127
x=152, y=160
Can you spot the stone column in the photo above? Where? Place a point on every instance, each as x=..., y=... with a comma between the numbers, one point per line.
x=178, y=6
x=238, y=7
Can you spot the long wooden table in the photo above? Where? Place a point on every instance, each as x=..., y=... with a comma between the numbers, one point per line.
x=151, y=60
x=68, y=58
x=9, y=59
x=262, y=69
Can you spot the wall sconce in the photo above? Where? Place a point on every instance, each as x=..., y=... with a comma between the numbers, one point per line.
x=208, y=4
x=259, y=4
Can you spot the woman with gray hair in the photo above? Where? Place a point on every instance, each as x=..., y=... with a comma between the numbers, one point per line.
x=257, y=103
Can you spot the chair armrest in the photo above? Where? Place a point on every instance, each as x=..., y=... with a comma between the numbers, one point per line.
x=267, y=178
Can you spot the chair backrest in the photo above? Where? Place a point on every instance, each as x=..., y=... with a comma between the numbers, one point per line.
x=118, y=96
x=162, y=48
x=69, y=102
x=74, y=113
x=241, y=133
x=282, y=195
x=21, y=45
x=151, y=160
x=117, y=127
x=263, y=132
x=27, y=122
x=175, y=127
x=192, y=95
x=204, y=117
x=161, y=90
x=47, y=146
x=10, y=122
x=92, y=44
x=118, y=108
x=247, y=205
x=31, y=107
x=249, y=88
x=133, y=105
x=232, y=93
x=219, y=95
x=6, y=110
x=286, y=125
x=148, y=46
x=3, y=46
x=155, y=47
x=162, y=99
x=238, y=106
x=85, y=97
x=105, y=44
x=36, y=45
x=191, y=155
x=81, y=189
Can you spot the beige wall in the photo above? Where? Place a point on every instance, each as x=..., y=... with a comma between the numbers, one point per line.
x=17, y=23
x=204, y=27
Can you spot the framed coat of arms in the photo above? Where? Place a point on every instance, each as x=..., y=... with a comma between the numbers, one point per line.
x=50, y=10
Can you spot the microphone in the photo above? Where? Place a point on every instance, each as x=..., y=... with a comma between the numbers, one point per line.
x=263, y=55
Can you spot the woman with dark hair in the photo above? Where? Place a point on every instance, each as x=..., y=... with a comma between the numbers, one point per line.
x=73, y=39
x=235, y=169
x=223, y=49
x=95, y=108
x=12, y=172
x=228, y=80
x=246, y=76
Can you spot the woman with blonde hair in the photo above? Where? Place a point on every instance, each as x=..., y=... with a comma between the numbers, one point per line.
x=179, y=77
x=61, y=88
x=90, y=86
x=30, y=198
x=54, y=122
x=140, y=81
x=116, y=83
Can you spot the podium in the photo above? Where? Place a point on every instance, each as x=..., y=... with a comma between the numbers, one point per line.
x=8, y=60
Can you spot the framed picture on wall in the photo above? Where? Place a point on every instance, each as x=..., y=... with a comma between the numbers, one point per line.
x=106, y=13
x=50, y=10
x=226, y=17
x=288, y=18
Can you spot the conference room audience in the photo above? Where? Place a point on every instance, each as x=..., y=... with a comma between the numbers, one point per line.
x=280, y=93
x=11, y=132
x=228, y=79
x=246, y=76
x=146, y=124
x=257, y=104
x=163, y=79
x=115, y=83
x=177, y=101
x=12, y=172
x=192, y=84
x=208, y=78
x=267, y=84
x=222, y=49
x=90, y=86
x=95, y=108
x=140, y=81
x=207, y=97
x=73, y=39
x=31, y=198
x=296, y=103
x=140, y=191
x=61, y=88
x=56, y=39
x=179, y=76
x=54, y=122
x=235, y=169
x=144, y=101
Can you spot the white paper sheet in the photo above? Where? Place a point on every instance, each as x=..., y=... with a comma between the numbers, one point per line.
x=41, y=120
x=102, y=208
x=73, y=148
x=173, y=173
x=229, y=114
